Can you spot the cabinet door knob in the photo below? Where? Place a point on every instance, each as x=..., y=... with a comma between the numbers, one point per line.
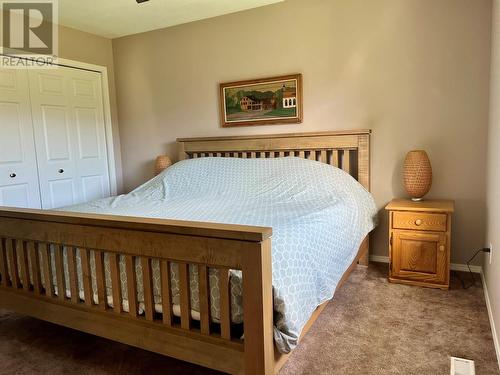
x=61, y=170
x=441, y=247
x=12, y=175
x=418, y=222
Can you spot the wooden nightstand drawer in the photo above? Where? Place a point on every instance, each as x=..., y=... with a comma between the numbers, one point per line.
x=419, y=221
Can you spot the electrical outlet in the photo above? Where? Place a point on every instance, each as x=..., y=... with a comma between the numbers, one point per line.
x=491, y=252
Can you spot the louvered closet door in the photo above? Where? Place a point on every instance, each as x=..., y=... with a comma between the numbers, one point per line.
x=18, y=170
x=68, y=123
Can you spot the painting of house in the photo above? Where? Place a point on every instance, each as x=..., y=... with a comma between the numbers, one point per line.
x=251, y=103
x=265, y=101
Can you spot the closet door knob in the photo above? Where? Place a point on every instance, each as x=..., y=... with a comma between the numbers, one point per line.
x=12, y=175
x=61, y=170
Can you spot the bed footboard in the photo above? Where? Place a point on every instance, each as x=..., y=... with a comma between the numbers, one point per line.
x=27, y=238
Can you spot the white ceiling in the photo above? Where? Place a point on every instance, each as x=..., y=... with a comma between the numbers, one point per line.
x=116, y=18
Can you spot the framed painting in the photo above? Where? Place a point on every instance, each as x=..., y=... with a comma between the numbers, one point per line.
x=275, y=100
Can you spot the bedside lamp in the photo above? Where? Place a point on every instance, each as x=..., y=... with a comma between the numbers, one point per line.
x=162, y=162
x=417, y=174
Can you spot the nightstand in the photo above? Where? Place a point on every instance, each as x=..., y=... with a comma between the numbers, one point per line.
x=419, y=242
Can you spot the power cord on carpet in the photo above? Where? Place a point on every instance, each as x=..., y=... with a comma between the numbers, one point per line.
x=484, y=250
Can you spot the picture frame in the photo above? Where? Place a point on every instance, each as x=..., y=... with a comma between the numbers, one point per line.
x=264, y=101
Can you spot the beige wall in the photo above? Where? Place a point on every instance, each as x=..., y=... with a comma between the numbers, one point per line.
x=492, y=271
x=93, y=49
x=414, y=71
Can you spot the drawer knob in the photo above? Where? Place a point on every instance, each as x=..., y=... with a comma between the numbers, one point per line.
x=60, y=170
x=418, y=222
x=12, y=175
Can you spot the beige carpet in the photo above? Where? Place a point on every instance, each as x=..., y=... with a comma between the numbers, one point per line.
x=372, y=327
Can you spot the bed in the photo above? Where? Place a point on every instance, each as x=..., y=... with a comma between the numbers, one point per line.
x=196, y=288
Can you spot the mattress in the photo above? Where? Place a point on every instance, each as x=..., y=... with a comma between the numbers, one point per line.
x=319, y=215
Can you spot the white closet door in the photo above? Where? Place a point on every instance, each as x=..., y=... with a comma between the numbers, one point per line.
x=70, y=138
x=18, y=170
x=88, y=111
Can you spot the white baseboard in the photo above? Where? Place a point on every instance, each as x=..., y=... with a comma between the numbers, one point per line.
x=490, y=316
x=453, y=266
x=463, y=267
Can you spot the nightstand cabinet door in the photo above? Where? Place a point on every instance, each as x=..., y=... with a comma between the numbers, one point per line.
x=419, y=256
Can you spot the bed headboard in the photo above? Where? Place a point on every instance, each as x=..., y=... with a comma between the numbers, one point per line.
x=349, y=150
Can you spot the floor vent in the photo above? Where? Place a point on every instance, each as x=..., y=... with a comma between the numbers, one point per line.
x=460, y=366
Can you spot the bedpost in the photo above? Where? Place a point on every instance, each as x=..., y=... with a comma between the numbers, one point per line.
x=258, y=309
x=181, y=151
x=364, y=160
x=364, y=179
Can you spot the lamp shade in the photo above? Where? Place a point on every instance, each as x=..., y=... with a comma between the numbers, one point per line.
x=162, y=162
x=417, y=174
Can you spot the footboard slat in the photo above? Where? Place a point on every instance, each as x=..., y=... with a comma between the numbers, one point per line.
x=101, y=280
x=185, y=298
x=131, y=285
x=204, y=298
x=12, y=257
x=88, y=294
x=73, y=282
x=35, y=267
x=225, y=304
x=147, y=280
x=61, y=281
x=116, y=287
x=166, y=294
x=47, y=269
x=23, y=258
x=3, y=263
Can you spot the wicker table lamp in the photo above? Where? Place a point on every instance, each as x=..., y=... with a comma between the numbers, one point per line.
x=417, y=174
x=162, y=162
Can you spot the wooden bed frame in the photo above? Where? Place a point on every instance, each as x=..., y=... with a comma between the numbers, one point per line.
x=23, y=232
